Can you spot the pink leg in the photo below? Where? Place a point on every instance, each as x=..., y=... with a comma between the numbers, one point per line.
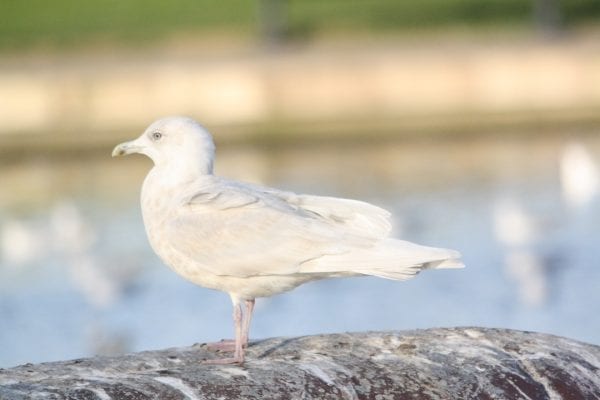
x=229, y=344
x=238, y=355
x=247, y=320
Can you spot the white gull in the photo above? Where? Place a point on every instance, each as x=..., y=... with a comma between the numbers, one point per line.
x=252, y=241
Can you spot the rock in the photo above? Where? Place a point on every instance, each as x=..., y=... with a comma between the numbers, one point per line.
x=454, y=363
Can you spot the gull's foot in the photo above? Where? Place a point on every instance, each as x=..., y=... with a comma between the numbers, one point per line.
x=224, y=361
x=223, y=345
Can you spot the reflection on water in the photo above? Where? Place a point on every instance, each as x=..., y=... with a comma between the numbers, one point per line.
x=77, y=276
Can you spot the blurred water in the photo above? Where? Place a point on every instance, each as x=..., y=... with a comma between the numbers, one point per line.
x=77, y=276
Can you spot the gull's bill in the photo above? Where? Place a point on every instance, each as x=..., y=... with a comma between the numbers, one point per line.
x=126, y=148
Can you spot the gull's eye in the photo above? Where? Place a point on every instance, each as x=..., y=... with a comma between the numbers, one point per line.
x=156, y=136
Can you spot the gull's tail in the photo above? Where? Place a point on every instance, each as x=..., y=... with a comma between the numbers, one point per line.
x=389, y=258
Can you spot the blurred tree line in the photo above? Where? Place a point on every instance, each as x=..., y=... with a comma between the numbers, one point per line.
x=59, y=23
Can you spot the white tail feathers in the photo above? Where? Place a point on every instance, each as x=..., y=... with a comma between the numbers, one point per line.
x=389, y=258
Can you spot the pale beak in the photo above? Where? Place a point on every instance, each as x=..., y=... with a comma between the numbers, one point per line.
x=126, y=148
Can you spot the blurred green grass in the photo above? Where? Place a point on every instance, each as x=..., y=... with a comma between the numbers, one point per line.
x=60, y=23
x=67, y=22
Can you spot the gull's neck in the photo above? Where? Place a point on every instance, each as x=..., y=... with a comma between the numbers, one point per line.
x=183, y=170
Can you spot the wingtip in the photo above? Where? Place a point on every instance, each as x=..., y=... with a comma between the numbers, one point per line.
x=452, y=263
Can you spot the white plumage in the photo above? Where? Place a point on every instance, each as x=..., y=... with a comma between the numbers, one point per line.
x=252, y=241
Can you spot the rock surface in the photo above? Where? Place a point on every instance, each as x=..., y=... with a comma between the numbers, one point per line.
x=455, y=363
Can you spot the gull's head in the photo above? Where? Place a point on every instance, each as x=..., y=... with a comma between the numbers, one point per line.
x=173, y=140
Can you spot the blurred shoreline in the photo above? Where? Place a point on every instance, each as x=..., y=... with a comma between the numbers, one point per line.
x=334, y=90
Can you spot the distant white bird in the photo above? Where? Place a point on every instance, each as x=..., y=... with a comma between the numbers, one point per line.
x=252, y=241
x=579, y=175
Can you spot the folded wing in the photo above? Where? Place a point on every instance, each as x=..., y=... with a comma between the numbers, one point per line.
x=241, y=231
